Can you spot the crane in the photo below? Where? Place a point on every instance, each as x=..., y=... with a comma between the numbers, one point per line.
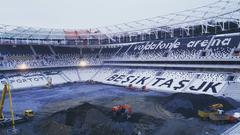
x=6, y=90
x=28, y=114
x=4, y=93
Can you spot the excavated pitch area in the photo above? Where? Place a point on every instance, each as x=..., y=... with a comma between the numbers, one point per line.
x=96, y=120
x=189, y=104
x=89, y=119
x=82, y=109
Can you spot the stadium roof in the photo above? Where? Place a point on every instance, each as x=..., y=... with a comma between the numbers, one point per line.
x=208, y=15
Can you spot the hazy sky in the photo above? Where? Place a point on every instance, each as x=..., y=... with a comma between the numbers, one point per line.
x=86, y=13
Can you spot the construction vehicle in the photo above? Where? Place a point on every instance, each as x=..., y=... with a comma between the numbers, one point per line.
x=222, y=118
x=215, y=114
x=91, y=81
x=122, y=111
x=11, y=121
x=49, y=82
x=28, y=113
x=216, y=106
x=212, y=109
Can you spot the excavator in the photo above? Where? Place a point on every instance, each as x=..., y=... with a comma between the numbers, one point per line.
x=215, y=114
x=5, y=121
x=122, y=111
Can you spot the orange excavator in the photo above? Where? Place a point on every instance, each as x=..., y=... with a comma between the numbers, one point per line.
x=123, y=111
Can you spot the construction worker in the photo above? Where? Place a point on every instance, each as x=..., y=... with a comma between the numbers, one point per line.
x=220, y=111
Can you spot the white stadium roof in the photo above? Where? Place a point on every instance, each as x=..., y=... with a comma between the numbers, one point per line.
x=208, y=15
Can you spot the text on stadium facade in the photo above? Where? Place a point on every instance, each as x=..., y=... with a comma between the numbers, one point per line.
x=165, y=83
x=191, y=44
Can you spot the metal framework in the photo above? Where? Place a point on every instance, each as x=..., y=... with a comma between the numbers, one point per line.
x=227, y=11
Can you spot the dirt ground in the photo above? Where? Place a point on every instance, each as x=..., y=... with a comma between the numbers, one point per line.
x=83, y=109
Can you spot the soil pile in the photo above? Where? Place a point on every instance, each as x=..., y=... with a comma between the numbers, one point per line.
x=88, y=119
x=189, y=104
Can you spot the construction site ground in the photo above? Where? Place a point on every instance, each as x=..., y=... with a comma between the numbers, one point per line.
x=85, y=109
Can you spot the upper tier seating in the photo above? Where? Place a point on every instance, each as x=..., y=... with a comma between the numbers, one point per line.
x=42, y=49
x=222, y=46
x=217, y=47
x=109, y=51
x=66, y=50
x=15, y=50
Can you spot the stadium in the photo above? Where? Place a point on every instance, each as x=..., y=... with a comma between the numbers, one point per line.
x=161, y=71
